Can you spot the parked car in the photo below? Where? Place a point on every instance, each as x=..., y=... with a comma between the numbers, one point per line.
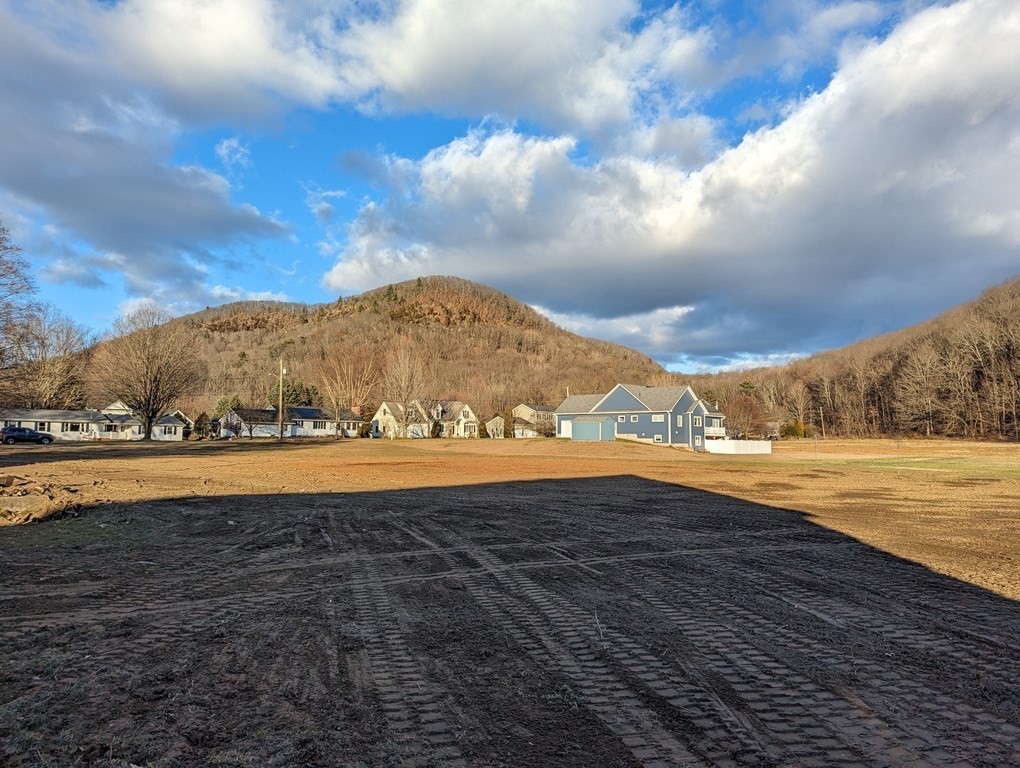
x=12, y=435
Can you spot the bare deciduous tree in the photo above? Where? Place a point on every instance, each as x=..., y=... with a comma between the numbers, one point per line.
x=404, y=380
x=798, y=404
x=744, y=415
x=346, y=378
x=16, y=291
x=918, y=387
x=50, y=350
x=147, y=364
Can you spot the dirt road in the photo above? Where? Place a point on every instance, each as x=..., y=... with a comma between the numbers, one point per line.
x=500, y=604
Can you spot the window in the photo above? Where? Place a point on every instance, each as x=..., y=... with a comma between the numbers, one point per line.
x=318, y=425
x=41, y=426
x=71, y=427
x=697, y=438
x=658, y=438
x=110, y=428
x=679, y=420
x=658, y=418
x=299, y=424
x=169, y=430
x=621, y=419
x=697, y=421
x=633, y=418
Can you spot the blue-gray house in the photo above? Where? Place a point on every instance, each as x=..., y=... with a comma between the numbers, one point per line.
x=660, y=415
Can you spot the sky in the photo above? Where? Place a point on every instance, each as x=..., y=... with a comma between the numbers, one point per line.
x=718, y=184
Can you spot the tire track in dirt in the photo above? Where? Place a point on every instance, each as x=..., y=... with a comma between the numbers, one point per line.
x=787, y=706
x=898, y=632
x=410, y=701
x=877, y=710
x=561, y=636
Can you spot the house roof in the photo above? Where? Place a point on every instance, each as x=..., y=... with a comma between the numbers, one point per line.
x=656, y=398
x=93, y=416
x=182, y=416
x=307, y=413
x=256, y=415
x=453, y=408
x=540, y=408
x=578, y=403
x=394, y=408
x=518, y=421
x=708, y=410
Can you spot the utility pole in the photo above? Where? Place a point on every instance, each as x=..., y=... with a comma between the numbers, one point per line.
x=821, y=416
x=279, y=414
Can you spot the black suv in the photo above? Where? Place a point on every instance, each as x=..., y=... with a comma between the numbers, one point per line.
x=12, y=435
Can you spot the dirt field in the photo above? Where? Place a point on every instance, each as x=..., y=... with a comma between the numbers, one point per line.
x=512, y=603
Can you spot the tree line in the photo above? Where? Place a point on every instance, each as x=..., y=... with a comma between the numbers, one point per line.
x=955, y=376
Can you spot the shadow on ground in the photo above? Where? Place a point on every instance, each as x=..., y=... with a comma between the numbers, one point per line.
x=611, y=621
x=12, y=456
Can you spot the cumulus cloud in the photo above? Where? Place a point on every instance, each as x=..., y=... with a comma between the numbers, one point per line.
x=91, y=161
x=878, y=201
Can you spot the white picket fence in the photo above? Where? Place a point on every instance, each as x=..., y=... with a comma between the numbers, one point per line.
x=738, y=446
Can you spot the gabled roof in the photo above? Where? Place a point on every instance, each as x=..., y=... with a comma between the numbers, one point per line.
x=396, y=409
x=453, y=408
x=540, y=408
x=656, y=398
x=708, y=410
x=578, y=403
x=183, y=417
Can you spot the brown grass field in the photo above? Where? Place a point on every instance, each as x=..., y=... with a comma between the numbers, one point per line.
x=519, y=602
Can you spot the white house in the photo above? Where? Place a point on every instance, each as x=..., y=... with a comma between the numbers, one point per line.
x=318, y=422
x=455, y=419
x=115, y=422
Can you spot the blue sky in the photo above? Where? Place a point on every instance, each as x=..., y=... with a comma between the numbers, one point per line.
x=718, y=184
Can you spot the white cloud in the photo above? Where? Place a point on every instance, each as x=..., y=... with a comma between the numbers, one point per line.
x=882, y=199
x=233, y=154
x=318, y=202
x=223, y=293
x=217, y=56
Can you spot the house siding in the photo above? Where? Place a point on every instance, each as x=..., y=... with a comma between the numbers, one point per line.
x=642, y=429
x=619, y=399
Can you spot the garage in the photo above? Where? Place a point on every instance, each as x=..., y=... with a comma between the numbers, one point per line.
x=594, y=428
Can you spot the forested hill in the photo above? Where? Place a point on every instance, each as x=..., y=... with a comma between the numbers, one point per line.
x=955, y=375
x=476, y=343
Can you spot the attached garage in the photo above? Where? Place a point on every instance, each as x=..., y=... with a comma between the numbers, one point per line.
x=593, y=428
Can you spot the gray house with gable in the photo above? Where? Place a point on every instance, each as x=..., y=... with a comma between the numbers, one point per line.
x=660, y=415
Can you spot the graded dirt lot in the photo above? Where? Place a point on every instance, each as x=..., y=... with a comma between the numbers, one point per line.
x=517, y=603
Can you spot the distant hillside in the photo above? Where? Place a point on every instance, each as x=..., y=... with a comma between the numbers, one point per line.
x=481, y=345
x=955, y=375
